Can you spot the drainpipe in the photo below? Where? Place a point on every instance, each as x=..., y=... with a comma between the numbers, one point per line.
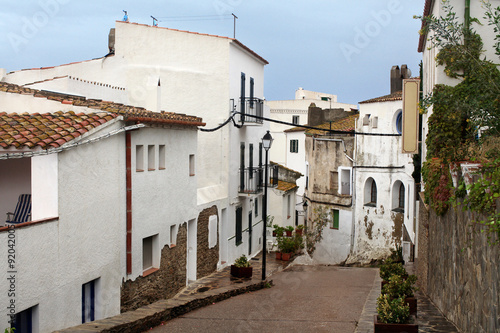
x=467, y=14
x=353, y=198
x=128, y=186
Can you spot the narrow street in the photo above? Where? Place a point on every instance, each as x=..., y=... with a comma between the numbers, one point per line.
x=303, y=299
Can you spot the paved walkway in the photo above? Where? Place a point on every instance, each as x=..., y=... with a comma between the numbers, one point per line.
x=220, y=286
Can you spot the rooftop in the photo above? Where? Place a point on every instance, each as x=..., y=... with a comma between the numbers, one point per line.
x=346, y=124
x=48, y=130
x=397, y=96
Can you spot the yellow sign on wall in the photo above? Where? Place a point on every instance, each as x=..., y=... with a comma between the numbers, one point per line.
x=411, y=92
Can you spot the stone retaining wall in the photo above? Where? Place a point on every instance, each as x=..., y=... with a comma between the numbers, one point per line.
x=459, y=270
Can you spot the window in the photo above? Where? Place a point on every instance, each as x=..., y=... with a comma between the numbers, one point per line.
x=250, y=160
x=375, y=122
x=251, y=92
x=345, y=181
x=139, y=158
x=24, y=320
x=398, y=197
x=239, y=225
x=294, y=146
x=242, y=93
x=295, y=120
x=161, y=157
x=242, y=166
x=151, y=157
x=88, y=301
x=307, y=175
x=288, y=206
x=173, y=234
x=334, y=181
x=191, y=165
x=370, y=193
x=335, y=219
x=399, y=121
x=256, y=207
x=366, y=120
x=150, y=256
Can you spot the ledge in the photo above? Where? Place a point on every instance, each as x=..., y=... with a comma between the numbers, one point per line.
x=29, y=223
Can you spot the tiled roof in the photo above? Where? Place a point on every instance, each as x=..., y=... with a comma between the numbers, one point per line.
x=397, y=96
x=285, y=168
x=295, y=129
x=130, y=113
x=427, y=12
x=286, y=186
x=346, y=124
x=48, y=130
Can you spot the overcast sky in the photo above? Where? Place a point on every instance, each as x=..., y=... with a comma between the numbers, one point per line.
x=332, y=46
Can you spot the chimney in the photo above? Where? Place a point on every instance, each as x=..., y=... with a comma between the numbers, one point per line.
x=396, y=82
x=397, y=76
x=111, y=40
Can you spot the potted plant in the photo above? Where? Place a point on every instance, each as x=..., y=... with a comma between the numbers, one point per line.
x=286, y=246
x=398, y=287
x=299, y=229
x=389, y=268
x=289, y=231
x=241, y=268
x=393, y=315
x=278, y=231
x=397, y=255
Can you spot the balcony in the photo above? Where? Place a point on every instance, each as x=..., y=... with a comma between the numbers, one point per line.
x=251, y=179
x=249, y=106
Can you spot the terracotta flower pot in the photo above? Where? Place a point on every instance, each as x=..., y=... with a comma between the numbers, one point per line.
x=288, y=233
x=412, y=302
x=278, y=255
x=286, y=256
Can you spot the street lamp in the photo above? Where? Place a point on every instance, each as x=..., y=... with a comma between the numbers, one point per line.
x=267, y=141
x=304, y=205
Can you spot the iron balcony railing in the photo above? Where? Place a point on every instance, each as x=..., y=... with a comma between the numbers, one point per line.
x=250, y=106
x=251, y=179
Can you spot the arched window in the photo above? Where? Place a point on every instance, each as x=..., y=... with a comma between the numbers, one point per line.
x=370, y=193
x=399, y=121
x=398, y=196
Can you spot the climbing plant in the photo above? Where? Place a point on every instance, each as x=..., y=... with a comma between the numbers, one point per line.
x=465, y=119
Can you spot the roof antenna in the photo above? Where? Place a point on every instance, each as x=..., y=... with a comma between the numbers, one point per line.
x=125, y=17
x=155, y=21
x=234, y=29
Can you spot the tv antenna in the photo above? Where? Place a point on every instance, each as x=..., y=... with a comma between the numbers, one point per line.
x=155, y=21
x=234, y=28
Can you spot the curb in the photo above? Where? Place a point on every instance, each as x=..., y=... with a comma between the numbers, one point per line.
x=153, y=315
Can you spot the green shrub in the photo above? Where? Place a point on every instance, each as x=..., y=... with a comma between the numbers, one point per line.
x=242, y=262
x=389, y=267
x=398, y=287
x=392, y=311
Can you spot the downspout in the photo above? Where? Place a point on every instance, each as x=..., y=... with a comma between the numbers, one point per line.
x=353, y=199
x=467, y=15
x=128, y=192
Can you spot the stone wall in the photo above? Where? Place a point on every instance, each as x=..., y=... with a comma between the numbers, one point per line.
x=207, y=258
x=162, y=284
x=463, y=270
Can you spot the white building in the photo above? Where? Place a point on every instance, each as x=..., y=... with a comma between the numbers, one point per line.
x=385, y=189
x=184, y=72
x=96, y=180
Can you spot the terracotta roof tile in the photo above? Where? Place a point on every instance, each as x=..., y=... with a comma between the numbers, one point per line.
x=46, y=131
x=397, y=96
x=346, y=124
x=130, y=113
x=286, y=186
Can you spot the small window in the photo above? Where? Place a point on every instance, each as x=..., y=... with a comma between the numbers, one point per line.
x=191, y=165
x=399, y=122
x=173, y=235
x=335, y=219
x=375, y=122
x=289, y=206
x=370, y=192
x=334, y=181
x=139, y=158
x=23, y=320
x=151, y=158
x=161, y=157
x=294, y=146
x=366, y=120
x=256, y=207
x=345, y=181
x=88, y=301
x=398, y=197
x=150, y=258
x=401, y=203
x=295, y=120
